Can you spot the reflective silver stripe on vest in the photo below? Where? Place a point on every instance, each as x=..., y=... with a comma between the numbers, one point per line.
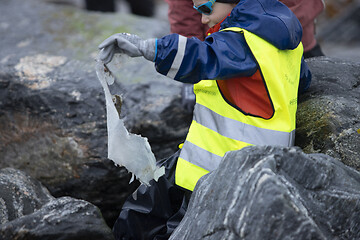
x=240, y=131
x=199, y=156
x=178, y=58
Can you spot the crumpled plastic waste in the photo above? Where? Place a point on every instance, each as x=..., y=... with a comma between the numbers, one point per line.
x=126, y=149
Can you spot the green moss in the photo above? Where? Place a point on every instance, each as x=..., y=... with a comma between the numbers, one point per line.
x=315, y=125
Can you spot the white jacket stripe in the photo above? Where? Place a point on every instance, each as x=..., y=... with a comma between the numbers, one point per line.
x=178, y=58
x=240, y=131
x=199, y=156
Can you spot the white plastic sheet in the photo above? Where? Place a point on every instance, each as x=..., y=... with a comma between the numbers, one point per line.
x=126, y=149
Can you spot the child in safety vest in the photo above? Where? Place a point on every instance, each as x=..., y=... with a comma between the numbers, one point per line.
x=247, y=74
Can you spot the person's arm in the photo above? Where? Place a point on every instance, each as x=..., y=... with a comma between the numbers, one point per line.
x=222, y=55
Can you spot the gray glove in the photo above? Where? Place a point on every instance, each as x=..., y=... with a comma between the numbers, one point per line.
x=129, y=44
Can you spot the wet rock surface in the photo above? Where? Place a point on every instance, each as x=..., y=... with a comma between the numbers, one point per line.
x=275, y=193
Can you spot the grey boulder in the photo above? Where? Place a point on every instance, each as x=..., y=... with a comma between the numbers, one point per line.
x=328, y=114
x=274, y=193
x=29, y=212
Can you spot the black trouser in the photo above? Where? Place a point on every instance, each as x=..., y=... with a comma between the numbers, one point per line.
x=157, y=209
x=314, y=52
x=139, y=7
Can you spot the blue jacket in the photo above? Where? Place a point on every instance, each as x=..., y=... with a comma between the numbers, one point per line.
x=223, y=55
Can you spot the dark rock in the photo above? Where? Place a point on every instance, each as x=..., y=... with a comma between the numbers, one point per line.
x=105, y=185
x=20, y=195
x=52, y=107
x=28, y=211
x=63, y=218
x=160, y=118
x=328, y=117
x=274, y=193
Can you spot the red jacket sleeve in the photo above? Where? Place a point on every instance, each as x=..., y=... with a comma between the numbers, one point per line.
x=306, y=11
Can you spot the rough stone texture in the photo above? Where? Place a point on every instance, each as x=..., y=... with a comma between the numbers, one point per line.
x=328, y=117
x=52, y=108
x=64, y=218
x=20, y=195
x=28, y=211
x=275, y=193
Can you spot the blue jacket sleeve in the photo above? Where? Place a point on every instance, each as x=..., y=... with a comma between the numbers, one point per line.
x=222, y=55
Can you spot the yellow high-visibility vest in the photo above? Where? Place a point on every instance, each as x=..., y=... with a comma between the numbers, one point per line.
x=218, y=127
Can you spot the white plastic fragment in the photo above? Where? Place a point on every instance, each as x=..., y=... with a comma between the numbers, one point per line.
x=126, y=149
x=132, y=178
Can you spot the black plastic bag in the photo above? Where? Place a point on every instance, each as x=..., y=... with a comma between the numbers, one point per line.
x=157, y=209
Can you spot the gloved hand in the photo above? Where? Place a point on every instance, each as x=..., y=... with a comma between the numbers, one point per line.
x=129, y=44
x=188, y=97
